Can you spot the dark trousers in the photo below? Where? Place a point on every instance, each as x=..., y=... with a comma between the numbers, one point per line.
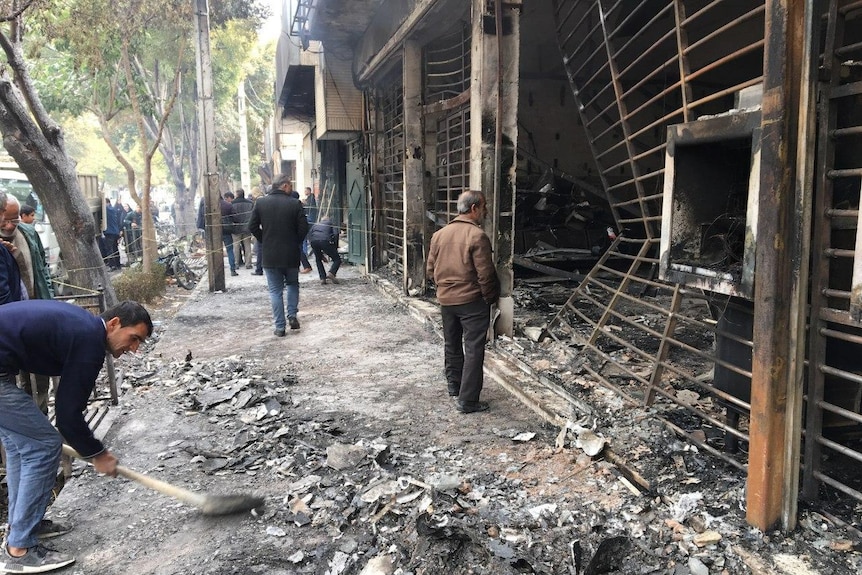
x=465, y=330
x=112, y=250
x=258, y=264
x=329, y=249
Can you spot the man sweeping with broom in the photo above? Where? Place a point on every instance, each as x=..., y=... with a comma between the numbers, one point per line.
x=52, y=338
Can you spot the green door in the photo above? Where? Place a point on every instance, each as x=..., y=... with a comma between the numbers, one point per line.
x=357, y=220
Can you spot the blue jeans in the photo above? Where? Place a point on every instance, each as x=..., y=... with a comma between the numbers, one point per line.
x=258, y=263
x=276, y=280
x=228, y=243
x=32, y=457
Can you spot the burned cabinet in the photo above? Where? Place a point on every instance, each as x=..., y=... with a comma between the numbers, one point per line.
x=709, y=210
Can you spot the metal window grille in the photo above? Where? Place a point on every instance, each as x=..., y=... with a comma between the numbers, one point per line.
x=446, y=63
x=453, y=162
x=832, y=447
x=392, y=111
x=636, y=68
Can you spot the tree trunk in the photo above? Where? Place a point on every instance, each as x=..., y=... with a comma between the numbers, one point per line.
x=36, y=143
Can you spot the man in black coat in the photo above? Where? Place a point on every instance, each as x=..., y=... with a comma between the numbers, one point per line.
x=241, y=238
x=278, y=220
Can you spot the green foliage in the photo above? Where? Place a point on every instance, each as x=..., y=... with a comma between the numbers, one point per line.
x=137, y=285
x=254, y=11
x=259, y=78
x=77, y=68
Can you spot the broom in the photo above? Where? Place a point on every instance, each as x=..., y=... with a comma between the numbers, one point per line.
x=208, y=504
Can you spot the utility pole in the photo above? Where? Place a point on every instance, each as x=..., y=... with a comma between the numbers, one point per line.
x=244, y=172
x=206, y=116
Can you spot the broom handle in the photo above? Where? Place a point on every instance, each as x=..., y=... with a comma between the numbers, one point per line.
x=184, y=495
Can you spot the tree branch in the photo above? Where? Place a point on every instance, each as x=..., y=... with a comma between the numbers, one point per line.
x=50, y=130
x=17, y=12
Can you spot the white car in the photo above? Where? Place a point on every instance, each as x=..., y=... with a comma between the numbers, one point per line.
x=16, y=184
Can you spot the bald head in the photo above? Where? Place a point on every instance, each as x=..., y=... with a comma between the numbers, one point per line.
x=10, y=217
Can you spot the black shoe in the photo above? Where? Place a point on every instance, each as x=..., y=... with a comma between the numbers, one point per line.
x=48, y=529
x=323, y=282
x=454, y=391
x=279, y=333
x=257, y=273
x=233, y=273
x=471, y=406
x=331, y=277
x=293, y=322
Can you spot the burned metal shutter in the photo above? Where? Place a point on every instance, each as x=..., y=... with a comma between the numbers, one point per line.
x=446, y=63
x=392, y=163
x=636, y=68
x=832, y=448
x=453, y=162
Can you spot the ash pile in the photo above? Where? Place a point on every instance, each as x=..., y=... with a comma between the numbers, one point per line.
x=345, y=497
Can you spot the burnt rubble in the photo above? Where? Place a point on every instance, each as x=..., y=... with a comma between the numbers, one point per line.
x=612, y=491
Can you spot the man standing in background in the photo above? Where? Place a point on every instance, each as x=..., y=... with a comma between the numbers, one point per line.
x=278, y=221
x=462, y=266
x=27, y=213
x=36, y=277
x=112, y=235
x=227, y=229
x=11, y=288
x=241, y=237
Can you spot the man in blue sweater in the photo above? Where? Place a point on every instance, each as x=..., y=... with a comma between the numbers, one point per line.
x=53, y=338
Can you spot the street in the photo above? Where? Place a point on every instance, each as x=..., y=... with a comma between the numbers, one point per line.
x=345, y=428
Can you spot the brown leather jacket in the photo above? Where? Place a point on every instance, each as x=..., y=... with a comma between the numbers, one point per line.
x=461, y=264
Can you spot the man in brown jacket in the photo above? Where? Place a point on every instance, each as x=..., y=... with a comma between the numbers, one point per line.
x=461, y=264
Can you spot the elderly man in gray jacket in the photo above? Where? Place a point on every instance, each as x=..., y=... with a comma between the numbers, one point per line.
x=461, y=264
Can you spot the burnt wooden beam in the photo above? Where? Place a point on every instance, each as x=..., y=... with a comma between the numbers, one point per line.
x=549, y=270
x=781, y=272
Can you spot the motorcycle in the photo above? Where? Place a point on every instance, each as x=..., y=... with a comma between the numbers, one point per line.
x=170, y=258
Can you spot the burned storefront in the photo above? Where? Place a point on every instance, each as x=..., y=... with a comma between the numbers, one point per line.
x=681, y=176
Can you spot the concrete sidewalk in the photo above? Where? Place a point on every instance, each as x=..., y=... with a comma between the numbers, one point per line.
x=359, y=357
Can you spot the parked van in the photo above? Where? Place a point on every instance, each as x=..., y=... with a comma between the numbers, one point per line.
x=16, y=184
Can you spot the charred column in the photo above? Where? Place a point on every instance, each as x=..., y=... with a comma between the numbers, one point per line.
x=494, y=132
x=781, y=274
x=414, y=170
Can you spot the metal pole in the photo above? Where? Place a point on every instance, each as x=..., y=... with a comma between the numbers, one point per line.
x=244, y=171
x=206, y=113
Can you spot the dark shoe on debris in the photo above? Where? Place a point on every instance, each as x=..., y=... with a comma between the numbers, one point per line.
x=472, y=406
x=38, y=559
x=257, y=273
x=233, y=273
x=279, y=333
x=294, y=323
x=453, y=391
x=332, y=278
x=323, y=282
x=49, y=529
